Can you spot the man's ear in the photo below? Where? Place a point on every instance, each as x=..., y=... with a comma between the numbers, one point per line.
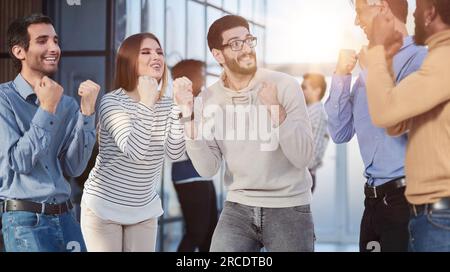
x=18, y=52
x=385, y=8
x=218, y=55
x=431, y=13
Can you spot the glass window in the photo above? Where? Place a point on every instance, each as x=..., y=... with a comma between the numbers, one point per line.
x=259, y=11
x=74, y=70
x=246, y=9
x=154, y=20
x=76, y=30
x=217, y=3
x=176, y=31
x=231, y=6
x=196, y=36
x=132, y=15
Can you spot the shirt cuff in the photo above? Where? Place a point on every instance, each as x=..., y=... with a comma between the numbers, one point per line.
x=44, y=120
x=86, y=122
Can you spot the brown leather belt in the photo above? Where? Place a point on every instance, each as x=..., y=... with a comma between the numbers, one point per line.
x=34, y=207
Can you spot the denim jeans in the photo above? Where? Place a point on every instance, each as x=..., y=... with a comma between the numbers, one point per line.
x=430, y=232
x=35, y=232
x=244, y=228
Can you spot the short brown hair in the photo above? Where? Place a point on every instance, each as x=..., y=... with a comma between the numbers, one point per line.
x=443, y=9
x=215, y=39
x=17, y=34
x=187, y=68
x=317, y=81
x=126, y=75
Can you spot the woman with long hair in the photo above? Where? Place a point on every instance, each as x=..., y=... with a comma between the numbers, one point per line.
x=139, y=125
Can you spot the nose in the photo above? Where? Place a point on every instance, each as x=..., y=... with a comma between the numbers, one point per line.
x=246, y=48
x=154, y=55
x=53, y=47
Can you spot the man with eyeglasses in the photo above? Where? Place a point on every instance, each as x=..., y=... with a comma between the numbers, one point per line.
x=269, y=187
x=384, y=224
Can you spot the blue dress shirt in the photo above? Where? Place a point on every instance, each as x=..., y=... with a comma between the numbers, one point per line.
x=37, y=148
x=348, y=114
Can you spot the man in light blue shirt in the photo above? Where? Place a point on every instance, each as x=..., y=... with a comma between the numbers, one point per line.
x=44, y=136
x=386, y=214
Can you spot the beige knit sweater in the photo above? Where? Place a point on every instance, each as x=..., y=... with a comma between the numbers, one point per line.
x=258, y=174
x=420, y=105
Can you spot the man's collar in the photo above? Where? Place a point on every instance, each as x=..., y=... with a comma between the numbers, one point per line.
x=23, y=88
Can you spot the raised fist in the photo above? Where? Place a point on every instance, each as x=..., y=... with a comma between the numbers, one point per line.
x=49, y=94
x=88, y=91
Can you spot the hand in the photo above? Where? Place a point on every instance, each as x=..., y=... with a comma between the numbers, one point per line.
x=362, y=57
x=49, y=94
x=184, y=98
x=384, y=33
x=346, y=62
x=88, y=91
x=268, y=95
x=148, y=90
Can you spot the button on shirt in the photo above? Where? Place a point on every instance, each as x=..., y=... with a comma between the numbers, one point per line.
x=38, y=148
x=348, y=114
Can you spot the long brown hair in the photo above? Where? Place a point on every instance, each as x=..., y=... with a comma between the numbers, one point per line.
x=126, y=75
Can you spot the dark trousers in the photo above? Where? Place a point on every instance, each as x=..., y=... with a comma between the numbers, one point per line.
x=198, y=205
x=384, y=226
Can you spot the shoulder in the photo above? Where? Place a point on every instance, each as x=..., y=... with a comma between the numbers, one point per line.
x=112, y=98
x=279, y=78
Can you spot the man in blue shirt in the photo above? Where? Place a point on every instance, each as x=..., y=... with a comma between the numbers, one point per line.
x=385, y=220
x=44, y=136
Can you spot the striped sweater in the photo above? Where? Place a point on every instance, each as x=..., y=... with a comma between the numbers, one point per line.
x=134, y=139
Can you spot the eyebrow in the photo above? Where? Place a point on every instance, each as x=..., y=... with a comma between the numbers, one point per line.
x=146, y=48
x=236, y=38
x=46, y=37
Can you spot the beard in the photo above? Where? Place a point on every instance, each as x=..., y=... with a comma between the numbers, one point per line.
x=420, y=35
x=234, y=66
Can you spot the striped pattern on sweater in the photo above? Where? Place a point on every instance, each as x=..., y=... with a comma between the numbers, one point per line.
x=133, y=142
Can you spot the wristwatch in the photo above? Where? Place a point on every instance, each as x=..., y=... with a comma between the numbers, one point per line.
x=185, y=119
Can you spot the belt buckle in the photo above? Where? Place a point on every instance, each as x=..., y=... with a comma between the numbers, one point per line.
x=43, y=208
x=374, y=189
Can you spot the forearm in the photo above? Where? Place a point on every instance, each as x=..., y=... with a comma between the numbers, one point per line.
x=339, y=108
x=80, y=146
x=206, y=159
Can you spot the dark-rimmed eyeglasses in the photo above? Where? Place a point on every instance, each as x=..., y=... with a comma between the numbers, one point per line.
x=237, y=45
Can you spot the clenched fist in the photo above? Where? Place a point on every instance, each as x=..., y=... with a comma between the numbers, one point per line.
x=384, y=33
x=346, y=62
x=148, y=90
x=49, y=94
x=184, y=98
x=268, y=95
x=88, y=91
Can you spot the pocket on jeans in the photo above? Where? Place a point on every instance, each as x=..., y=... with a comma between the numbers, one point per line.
x=440, y=220
x=303, y=209
x=23, y=219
